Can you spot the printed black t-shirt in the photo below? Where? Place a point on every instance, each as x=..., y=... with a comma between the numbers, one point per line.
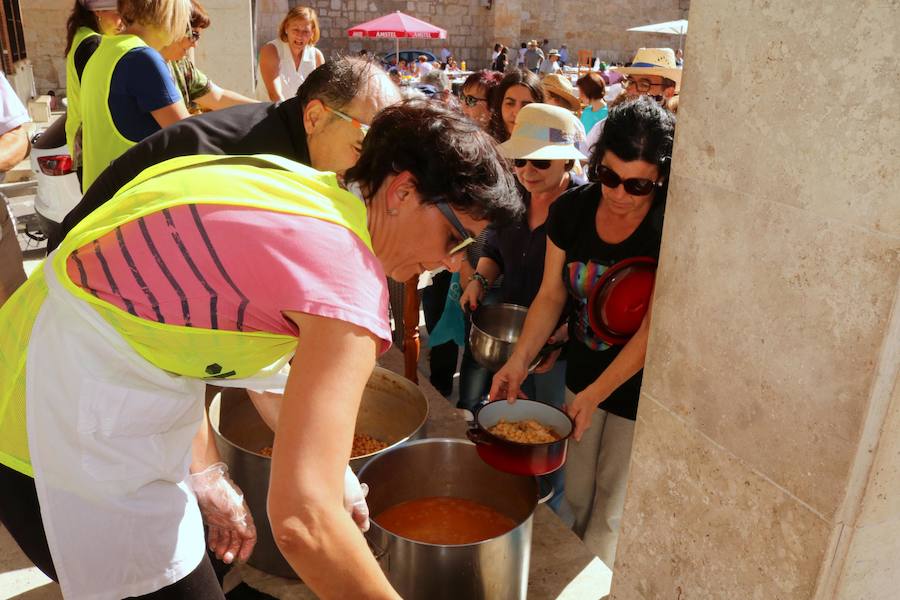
x=571, y=226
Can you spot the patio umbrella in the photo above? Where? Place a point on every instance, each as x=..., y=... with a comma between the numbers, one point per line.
x=397, y=25
x=678, y=28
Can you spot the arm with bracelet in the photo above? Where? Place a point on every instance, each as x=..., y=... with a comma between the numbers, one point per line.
x=485, y=274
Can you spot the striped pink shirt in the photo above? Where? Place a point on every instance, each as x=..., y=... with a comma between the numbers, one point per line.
x=235, y=268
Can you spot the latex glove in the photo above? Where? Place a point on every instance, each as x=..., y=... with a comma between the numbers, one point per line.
x=232, y=534
x=355, y=499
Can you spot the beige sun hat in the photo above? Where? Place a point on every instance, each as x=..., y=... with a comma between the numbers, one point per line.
x=544, y=131
x=562, y=87
x=653, y=61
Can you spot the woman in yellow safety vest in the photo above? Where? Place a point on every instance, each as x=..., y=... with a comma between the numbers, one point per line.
x=220, y=269
x=88, y=20
x=127, y=92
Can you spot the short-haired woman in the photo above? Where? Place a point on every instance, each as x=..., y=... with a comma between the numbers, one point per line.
x=593, y=92
x=127, y=92
x=88, y=21
x=287, y=60
x=590, y=229
x=198, y=91
x=475, y=96
x=517, y=89
x=220, y=268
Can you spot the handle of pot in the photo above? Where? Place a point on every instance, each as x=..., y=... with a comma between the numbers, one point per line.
x=377, y=552
x=477, y=435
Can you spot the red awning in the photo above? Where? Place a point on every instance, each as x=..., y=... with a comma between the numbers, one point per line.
x=397, y=25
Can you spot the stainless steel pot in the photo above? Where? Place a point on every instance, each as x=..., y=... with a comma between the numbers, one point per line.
x=494, y=333
x=393, y=409
x=495, y=569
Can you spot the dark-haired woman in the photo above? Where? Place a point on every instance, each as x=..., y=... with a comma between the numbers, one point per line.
x=220, y=268
x=518, y=89
x=591, y=228
x=88, y=20
x=475, y=99
x=502, y=61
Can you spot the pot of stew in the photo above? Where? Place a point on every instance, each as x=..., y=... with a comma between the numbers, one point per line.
x=445, y=525
x=393, y=410
x=524, y=438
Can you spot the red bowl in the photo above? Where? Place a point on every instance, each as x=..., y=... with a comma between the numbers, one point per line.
x=620, y=300
x=516, y=457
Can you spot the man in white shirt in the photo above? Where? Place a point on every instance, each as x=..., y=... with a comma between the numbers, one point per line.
x=423, y=67
x=14, y=147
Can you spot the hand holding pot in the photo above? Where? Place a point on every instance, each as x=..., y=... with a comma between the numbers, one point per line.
x=559, y=337
x=471, y=295
x=581, y=410
x=232, y=533
x=508, y=380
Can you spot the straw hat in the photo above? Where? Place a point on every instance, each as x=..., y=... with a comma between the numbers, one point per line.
x=654, y=61
x=562, y=87
x=544, y=131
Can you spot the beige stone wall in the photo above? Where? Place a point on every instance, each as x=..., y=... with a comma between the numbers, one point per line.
x=226, y=50
x=765, y=462
x=44, y=22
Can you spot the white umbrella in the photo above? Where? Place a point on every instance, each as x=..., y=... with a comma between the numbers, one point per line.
x=678, y=28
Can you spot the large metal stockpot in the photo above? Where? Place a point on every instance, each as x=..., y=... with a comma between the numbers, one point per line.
x=495, y=569
x=393, y=409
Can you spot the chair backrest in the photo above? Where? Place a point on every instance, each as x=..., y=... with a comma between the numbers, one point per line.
x=584, y=58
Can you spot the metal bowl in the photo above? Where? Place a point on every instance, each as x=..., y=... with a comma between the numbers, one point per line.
x=494, y=333
x=393, y=409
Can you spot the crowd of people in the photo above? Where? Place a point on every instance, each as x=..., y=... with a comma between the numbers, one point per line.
x=219, y=237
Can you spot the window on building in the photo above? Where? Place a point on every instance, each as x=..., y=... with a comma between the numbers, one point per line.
x=12, y=34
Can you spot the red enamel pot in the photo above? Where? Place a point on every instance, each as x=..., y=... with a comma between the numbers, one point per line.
x=516, y=457
x=621, y=298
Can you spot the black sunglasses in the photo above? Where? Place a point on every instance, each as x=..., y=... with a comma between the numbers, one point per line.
x=634, y=186
x=471, y=101
x=194, y=35
x=540, y=163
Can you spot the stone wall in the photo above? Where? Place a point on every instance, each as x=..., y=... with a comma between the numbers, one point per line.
x=765, y=461
x=44, y=22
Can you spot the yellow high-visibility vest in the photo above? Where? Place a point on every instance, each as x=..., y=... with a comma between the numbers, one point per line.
x=102, y=142
x=263, y=181
x=73, y=88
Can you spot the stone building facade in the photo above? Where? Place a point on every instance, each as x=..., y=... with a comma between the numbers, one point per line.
x=241, y=26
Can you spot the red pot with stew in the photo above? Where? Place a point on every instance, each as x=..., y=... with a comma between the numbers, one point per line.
x=524, y=438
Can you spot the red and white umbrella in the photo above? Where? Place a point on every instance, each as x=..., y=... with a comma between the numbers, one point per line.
x=398, y=25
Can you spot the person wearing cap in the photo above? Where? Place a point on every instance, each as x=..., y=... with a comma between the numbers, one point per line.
x=551, y=65
x=542, y=148
x=653, y=72
x=88, y=20
x=533, y=57
x=592, y=231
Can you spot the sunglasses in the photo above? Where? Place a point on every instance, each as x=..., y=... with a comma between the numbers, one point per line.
x=195, y=35
x=470, y=101
x=634, y=186
x=355, y=122
x=540, y=163
x=454, y=221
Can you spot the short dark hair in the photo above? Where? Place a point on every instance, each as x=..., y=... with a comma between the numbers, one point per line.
x=337, y=82
x=637, y=129
x=451, y=158
x=592, y=85
x=485, y=79
x=518, y=77
x=199, y=17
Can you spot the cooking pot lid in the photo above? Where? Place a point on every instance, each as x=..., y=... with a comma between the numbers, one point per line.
x=621, y=298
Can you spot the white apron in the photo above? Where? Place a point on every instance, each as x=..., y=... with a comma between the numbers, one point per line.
x=110, y=438
x=291, y=77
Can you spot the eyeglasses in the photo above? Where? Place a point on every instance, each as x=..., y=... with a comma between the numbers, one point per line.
x=355, y=122
x=642, y=85
x=634, y=186
x=195, y=35
x=471, y=101
x=540, y=163
x=457, y=225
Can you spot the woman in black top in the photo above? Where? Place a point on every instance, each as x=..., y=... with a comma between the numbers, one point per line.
x=589, y=229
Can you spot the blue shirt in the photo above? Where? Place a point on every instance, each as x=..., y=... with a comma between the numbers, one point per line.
x=589, y=117
x=140, y=84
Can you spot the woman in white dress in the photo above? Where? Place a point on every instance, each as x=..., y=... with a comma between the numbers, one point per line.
x=285, y=62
